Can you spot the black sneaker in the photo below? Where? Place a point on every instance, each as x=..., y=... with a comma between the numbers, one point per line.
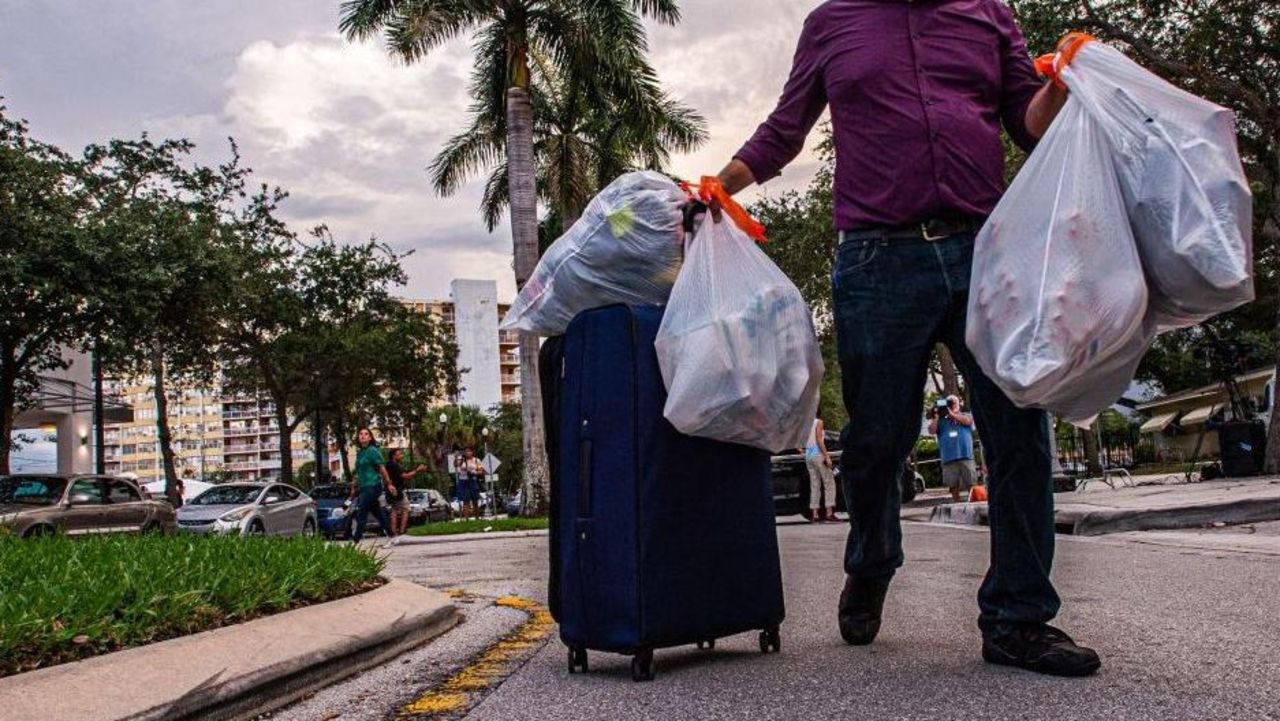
x=861, y=603
x=1040, y=648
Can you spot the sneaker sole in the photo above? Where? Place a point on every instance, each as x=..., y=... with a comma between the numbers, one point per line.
x=1001, y=659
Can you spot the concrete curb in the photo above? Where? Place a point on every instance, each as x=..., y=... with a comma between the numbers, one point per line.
x=1091, y=522
x=237, y=672
x=1085, y=520
x=408, y=540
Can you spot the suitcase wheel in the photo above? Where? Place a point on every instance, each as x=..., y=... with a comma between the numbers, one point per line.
x=642, y=666
x=577, y=660
x=770, y=640
x=709, y=645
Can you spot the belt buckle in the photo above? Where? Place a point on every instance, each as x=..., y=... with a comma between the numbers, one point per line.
x=929, y=237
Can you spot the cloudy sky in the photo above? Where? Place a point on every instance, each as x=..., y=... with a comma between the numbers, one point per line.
x=348, y=131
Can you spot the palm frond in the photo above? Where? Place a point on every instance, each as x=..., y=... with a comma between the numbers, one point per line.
x=479, y=147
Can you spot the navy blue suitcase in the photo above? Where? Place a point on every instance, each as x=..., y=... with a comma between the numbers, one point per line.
x=658, y=539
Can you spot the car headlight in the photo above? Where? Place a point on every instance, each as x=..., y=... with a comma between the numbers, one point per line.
x=234, y=516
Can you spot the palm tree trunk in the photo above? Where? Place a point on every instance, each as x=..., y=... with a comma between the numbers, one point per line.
x=950, y=376
x=524, y=234
x=1092, y=455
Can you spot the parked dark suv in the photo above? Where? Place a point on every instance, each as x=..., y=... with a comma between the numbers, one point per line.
x=791, y=480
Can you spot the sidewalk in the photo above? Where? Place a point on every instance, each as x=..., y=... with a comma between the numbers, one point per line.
x=1101, y=510
x=236, y=672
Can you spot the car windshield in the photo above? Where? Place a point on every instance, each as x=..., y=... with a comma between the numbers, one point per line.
x=31, y=491
x=328, y=493
x=227, y=496
x=416, y=495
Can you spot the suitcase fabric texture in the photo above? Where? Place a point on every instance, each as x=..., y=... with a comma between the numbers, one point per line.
x=658, y=539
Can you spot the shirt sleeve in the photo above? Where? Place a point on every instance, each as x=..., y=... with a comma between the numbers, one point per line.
x=1020, y=82
x=781, y=138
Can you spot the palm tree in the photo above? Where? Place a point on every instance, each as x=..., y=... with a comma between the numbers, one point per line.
x=604, y=36
x=583, y=138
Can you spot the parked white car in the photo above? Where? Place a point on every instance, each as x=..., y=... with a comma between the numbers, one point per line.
x=250, y=509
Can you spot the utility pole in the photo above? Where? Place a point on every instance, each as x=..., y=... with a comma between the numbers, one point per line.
x=99, y=414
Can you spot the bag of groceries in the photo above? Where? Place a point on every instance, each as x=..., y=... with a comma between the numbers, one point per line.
x=626, y=248
x=1185, y=189
x=1057, y=297
x=736, y=347
x=1132, y=217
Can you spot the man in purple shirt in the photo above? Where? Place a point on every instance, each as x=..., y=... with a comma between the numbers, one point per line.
x=918, y=92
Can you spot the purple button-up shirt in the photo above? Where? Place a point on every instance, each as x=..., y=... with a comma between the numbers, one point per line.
x=917, y=89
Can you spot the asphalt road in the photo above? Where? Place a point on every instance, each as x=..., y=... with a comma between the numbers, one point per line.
x=1186, y=629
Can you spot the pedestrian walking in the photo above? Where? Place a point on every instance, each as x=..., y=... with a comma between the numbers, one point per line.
x=470, y=471
x=918, y=92
x=397, y=498
x=370, y=483
x=822, y=481
x=954, y=431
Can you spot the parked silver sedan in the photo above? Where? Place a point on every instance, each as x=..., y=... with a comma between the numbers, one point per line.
x=250, y=509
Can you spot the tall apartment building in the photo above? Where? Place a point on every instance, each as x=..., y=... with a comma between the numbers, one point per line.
x=212, y=433
x=488, y=358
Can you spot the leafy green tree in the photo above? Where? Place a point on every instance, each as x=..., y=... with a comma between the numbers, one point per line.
x=605, y=37
x=48, y=269
x=162, y=295
x=1227, y=51
x=310, y=324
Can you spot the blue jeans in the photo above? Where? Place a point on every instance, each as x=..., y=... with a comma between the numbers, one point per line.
x=367, y=502
x=893, y=301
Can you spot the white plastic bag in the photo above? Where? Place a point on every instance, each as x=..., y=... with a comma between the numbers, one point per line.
x=1057, y=297
x=1184, y=186
x=737, y=348
x=626, y=248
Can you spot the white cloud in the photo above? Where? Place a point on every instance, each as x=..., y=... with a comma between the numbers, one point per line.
x=345, y=128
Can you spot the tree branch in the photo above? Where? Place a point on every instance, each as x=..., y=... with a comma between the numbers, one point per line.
x=1173, y=68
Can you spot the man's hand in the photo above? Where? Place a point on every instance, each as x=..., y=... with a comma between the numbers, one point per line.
x=735, y=177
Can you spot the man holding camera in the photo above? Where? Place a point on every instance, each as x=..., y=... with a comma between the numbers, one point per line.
x=954, y=431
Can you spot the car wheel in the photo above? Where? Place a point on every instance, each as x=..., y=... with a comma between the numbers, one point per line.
x=39, y=531
x=257, y=529
x=153, y=529
x=309, y=528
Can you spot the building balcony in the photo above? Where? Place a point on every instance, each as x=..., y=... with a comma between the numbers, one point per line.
x=230, y=432
x=242, y=448
x=510, y=380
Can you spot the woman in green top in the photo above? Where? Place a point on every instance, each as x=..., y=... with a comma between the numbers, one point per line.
x=370, y=481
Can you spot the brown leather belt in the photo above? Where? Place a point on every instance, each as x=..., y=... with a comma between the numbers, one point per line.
x=929, y=231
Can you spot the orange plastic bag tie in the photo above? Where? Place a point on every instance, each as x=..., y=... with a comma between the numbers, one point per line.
x=711, y=189
x=1068, y=46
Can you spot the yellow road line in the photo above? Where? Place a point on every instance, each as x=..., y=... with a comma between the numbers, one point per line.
x=465, y=688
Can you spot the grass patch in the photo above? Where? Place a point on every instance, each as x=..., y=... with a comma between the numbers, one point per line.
x=481, y=525
x=63, y=599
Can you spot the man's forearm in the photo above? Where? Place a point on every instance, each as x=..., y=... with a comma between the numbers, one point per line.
x=736, y=176
x=1044, y=107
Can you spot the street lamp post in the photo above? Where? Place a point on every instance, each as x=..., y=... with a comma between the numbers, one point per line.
x=488, y=480
x=444, y=444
